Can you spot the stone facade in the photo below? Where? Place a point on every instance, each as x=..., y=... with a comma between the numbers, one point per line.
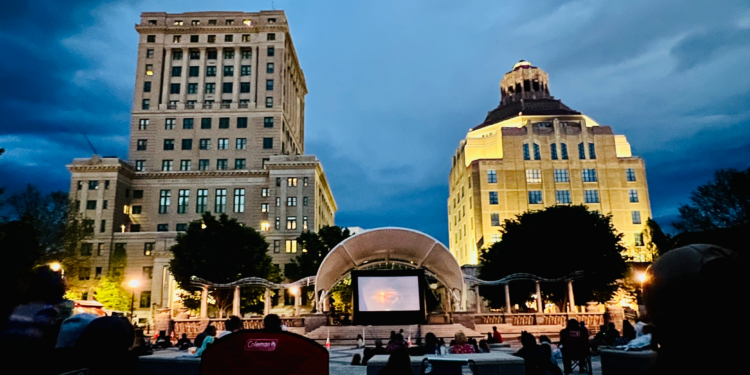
x=217, y=125
x=533, y=152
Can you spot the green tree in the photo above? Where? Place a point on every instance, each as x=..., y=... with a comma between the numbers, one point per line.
x=48, y=214
x=553, y=243
x=315, y=247
x=723, y=202
x=222, y=252
x=112, y=295
x=20, y=252
x=658, y=242
x=341, y=294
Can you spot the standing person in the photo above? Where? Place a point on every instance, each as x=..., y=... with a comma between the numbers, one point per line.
x=210, y=338
x=496, y=336
x=461, y=346
x=399, y=363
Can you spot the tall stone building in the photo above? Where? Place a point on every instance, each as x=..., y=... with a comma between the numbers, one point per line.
x=217, y=125
x=532, y=152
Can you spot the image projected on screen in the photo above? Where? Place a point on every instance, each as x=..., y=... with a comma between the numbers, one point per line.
x=396, y=293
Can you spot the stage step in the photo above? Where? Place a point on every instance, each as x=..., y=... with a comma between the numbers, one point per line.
x=347, y=335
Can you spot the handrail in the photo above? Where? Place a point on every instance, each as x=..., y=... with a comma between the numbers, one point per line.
x=473, y=281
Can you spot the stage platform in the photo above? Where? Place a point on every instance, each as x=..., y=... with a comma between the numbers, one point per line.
x=347, y=335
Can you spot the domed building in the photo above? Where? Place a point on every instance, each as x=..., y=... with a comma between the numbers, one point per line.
x=533, y=151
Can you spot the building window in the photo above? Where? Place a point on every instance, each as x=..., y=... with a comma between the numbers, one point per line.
x=187, y=123
x=276, y=246
x=223, y=144
x=636, y=216
x=201, y=204
x=564, y=151
x=589, y=175
x=222, y=164
x=137, y=194
x=143, y=124
x=104, y=204
x=268, y=122
x=193, y=71
x=210, y=88
x=183, y=201
x=220, y=201
x=630, y=174
x=140, y=165
x=633, y=195
x=592, y=151
x=212, y=38
x=176, y=72
x=204, y=144
x=224, y=123
x=149, y=53
x=168, y=144
x=246, y=53
x=492, y=177
x=291, y=223
x=304, y=181
x=264, y=192
x=187, y=144
x=278, y=202
x=291, y=201
x=240, y=164
x=638, y=239
x=147, y=86
x=581, y=151
x=269, y=85
x=277, y=225
x=84, y=273
x=264, y=207
x=269, y=67
x=304, y=223
x=267, y=143
x=591, y=196
x=271, y=51
x=291, y=246
x=244, y=87
x=136, y=210
x=269, y=102
x=563, y=196
x=535, y=197
x=169, y=123
x=245, y=70
x=226, y=88
x=304, y=201
x=561, y=175
x=167, y=165
x=185, y=165
x=176, y=38
x=241, y=143
x=495, y=220
x=553, y=150
x=228, y=71
x=195, y=54
x=145, y=104
x=291, y=181
x=533, y=176
x=271, y=36
x=192, y=88
x=149, y=69
x=210, y=71
x=151, y=38
x=493, y=197
x=91, y=205
x=239, y=200
x=87, y=249
x=165, y=199
x=203, y=164
x=537, y=153
x=526, y=155
x=103, y=226
x=141, y=144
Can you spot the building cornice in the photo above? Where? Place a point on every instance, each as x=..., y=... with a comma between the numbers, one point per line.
x=213, y=28
x=202, y=174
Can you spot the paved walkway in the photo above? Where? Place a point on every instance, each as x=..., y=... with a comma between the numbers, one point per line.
x=341, y=359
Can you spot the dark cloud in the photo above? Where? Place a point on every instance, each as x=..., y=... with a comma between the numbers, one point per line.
x=702, y=47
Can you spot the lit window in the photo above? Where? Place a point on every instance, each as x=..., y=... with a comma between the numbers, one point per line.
x=291, y=223
x=561, y=175
x=493, y=197
x=148, y=248
x=291, y=181
x=264, y=192
x=143, y=124
x=265, y=226
x=176, y=38
x=247, y=22
x=535, y=197
x=264, y=207
x=223, y=144
x=591, y=196
x=149, y=70
x=494, y=238
x=277, y=224
x=492, y=177
x=563, y=196
x=533, y=176
x=304, y=223
x=178, y=23
x=291, y=246
x=291, y=201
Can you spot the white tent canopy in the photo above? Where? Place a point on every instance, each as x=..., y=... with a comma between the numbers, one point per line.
x=390, y=245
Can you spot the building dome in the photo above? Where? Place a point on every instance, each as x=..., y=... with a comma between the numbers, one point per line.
x=522, y=64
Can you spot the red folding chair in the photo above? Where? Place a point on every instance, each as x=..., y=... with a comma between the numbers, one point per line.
x=259, y=352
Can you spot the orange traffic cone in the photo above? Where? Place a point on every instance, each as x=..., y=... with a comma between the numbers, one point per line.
x=408, y=341
x=328, y=340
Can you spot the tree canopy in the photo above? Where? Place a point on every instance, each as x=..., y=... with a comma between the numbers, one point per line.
x=315, y=248
x=553, y=243
x=223, y=251
x=723, y=202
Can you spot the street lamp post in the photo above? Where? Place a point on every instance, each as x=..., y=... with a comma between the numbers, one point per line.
x=133, y=284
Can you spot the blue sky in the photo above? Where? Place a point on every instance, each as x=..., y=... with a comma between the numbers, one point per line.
x=394, y=86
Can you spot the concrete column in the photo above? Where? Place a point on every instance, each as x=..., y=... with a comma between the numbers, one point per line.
x=317, y=303
x=167, y=78
x=297, y=300
x=539, y=301
x=267, y=303
x=185, y=63
x=571, y=298
x=204, y=303
x=479, y=299
x=507, y=299
x=236, y=78
x=236, y=302
x=281, y=297
x=326, y=303
x=201, y=83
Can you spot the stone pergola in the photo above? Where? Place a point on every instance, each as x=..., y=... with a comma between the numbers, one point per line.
x=474, y=282
x=248, y=282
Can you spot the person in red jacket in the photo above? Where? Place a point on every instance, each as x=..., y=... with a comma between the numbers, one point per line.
x=496, y=335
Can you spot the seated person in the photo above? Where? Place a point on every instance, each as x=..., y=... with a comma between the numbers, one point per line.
x=163, y=341
x=484, y=347
x=639, y=343
x=536, y=358
x=369, y=353
x=496, y=337
x=233, y=324
x=210, y=337
x=574, y=344
x=396, y=343
x=272, y=323
x=184, y=343
x=462, y=346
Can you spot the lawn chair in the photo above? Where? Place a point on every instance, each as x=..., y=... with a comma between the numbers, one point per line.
x=260, y=352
